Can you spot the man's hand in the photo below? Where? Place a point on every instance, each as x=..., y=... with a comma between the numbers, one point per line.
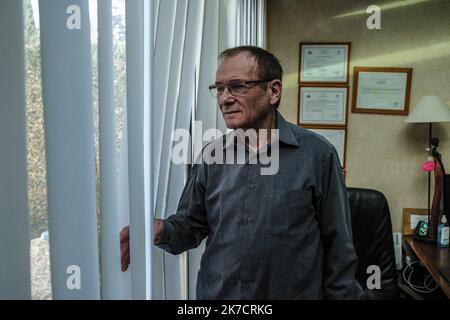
x=125, y=248
x=158, y=232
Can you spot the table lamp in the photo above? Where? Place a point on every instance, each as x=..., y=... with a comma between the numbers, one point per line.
x=431, y=109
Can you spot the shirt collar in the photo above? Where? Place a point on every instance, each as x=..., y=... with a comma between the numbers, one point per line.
x=285, y=133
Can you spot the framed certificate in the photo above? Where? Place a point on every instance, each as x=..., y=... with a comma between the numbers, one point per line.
x=381, y=90
x=322, y=105
x=337, y=137
x=324, y=63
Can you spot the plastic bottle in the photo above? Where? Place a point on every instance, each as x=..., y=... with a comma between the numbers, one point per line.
x=443, y=233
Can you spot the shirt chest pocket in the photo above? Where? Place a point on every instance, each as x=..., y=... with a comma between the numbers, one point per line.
x=290, y=212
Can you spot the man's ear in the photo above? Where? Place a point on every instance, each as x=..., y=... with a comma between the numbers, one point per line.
x=276, y=87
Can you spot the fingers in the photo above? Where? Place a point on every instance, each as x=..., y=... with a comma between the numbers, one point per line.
x=124, y=255
x=125, y=234
x=125, y=261
x=158, y=231
x=124, y=248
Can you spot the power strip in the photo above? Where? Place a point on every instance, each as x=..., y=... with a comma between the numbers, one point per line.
x=398, y=249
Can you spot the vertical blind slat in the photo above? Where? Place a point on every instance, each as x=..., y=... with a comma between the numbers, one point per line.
x=163, y=50
x=177, y=175
x=261, y=25
x=135, y=117
x=14, y=228
x=68, y=115
x=206, y=109
x=170, y=110
x=113, y=280
x=150, y=10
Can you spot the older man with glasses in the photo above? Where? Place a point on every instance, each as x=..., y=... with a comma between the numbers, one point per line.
x=281, y=236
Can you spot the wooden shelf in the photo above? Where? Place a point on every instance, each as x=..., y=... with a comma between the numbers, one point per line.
x=429, y=255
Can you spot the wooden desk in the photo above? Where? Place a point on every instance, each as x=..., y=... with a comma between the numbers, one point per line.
x=429, y=254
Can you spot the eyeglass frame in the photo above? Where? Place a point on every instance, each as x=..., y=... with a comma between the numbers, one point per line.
x=244, y=82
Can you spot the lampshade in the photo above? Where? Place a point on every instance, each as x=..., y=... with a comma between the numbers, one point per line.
x=429, y=109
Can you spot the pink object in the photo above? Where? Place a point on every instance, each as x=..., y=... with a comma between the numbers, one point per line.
x=428, y=166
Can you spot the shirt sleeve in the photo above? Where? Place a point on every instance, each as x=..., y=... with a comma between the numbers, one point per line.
x=189, y=226
x=340, y=259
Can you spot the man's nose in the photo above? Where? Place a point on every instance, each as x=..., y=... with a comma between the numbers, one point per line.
x=226, y=97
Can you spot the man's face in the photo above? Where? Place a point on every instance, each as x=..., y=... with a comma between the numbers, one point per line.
x=248, y=110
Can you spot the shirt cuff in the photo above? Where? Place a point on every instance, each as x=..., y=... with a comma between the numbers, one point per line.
x=169, y=233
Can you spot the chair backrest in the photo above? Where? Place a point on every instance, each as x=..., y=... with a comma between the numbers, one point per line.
x=373, y=240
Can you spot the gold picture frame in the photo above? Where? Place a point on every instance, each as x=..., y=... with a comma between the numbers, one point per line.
x=410, y=217
x=381, y=90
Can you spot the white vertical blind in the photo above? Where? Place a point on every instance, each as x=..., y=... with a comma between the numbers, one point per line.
x=163, y=48
x=67, y=96
x=172, y=49
x=177, y=92
x=112, y=279
x=139, y=21
x=14, y=228
x=228, y=37
x=261, y=23
x=252, y=15
x=177, y=173
x=206, y=109
x=169, y=111
x=124, y=280
x=149, y=133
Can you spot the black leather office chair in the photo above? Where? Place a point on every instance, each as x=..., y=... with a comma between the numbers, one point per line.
x=373, y=240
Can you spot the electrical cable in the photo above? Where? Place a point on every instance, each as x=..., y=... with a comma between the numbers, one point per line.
x=428, y=281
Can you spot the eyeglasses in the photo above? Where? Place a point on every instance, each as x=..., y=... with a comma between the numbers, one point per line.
x=235, y=87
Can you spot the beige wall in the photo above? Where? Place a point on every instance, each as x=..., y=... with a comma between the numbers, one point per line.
x=383, y=152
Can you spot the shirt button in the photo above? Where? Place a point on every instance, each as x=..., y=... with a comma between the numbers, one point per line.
x=251, y=186
x=249, y=220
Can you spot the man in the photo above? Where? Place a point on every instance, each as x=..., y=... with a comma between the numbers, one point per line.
x=280, y=236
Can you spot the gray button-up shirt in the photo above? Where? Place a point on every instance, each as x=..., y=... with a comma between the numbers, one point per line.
x=282, y=236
